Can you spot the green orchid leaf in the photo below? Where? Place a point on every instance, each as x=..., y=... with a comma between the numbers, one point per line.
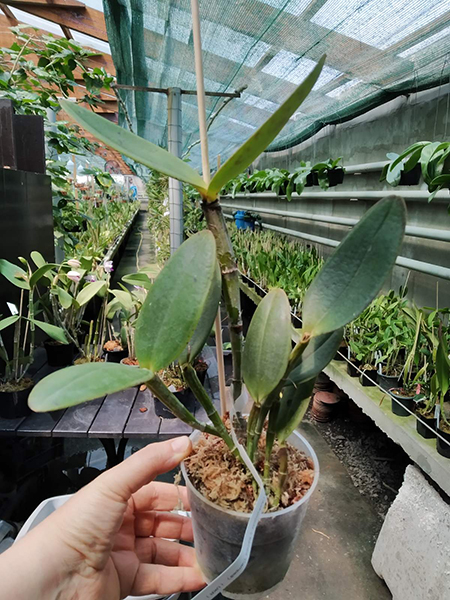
x=75, y=385
x=14, y=274
x=56, y=333
x=205, y=325
x=353, y=275
x=65, y=299
x=267, y=346
x=125, y=299
x=40, y=272
x=293, y=406
x=112, y=308
x=259, y=141
x=318, y=353
x=37, y=258
x=442, y=365
x=4, y=323
x=140, y=279
x=89, y=291
x=175, y=302
x=133, y=146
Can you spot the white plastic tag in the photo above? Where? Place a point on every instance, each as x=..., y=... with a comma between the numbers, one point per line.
x=238, y=566
x=12, y=308
x=437, y=412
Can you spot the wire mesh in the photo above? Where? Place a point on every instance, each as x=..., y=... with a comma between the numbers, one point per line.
x=376, y=49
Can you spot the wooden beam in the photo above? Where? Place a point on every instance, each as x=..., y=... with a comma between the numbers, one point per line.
x=9, y=14
x=85, y=20
x=7, y=38
x=66, y=31
x=61, y=3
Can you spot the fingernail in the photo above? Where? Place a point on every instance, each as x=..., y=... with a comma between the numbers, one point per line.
x=181, y=445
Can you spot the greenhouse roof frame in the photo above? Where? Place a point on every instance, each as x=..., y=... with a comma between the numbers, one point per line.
x=377, y=49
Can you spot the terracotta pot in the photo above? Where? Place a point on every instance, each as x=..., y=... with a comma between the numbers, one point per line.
x=323, y=384
x=324, y=406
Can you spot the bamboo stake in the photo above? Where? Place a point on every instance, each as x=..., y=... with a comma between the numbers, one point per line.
x=200, y=89
x=216, y=220
x=219, y=352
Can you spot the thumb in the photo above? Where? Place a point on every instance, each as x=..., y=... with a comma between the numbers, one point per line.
x=143, y=466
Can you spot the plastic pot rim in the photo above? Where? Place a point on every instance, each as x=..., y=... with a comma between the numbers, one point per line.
x=398, y=397
x=196, y=434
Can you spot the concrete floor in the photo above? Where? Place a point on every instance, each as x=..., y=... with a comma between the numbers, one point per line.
x=338, y=535
x=139, y=251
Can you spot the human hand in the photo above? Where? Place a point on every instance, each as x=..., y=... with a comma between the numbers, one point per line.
x=106, y=542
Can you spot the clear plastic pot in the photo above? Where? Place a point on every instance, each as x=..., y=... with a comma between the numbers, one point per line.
x=218, y=535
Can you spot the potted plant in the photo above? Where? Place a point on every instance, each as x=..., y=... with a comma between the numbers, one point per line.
x=362, y=340
x=441, y=387
x=403, y=398
x=327, y=174
x=279, y=378
x=431, y=158
x=113, y=348
x=395, y=338
x=425, y=409
x=17, y=356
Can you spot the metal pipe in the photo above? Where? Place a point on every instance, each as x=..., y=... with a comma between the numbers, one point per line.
x=402, y=261
x=442, y=195
x=174, y=143
x=365, y=167
x=442, y=235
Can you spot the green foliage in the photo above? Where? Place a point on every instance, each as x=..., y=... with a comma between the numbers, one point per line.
x=133, y=146
x=268, y=345
x=73, y=385
x=274, y=261
x=434, y=159
x=263, y=136
x=315, y=358
x=168, y=319
x=281, y=181
x=354, y=274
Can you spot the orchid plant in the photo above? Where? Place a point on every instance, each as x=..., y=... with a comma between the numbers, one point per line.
x=23, y=319
x=279, y=364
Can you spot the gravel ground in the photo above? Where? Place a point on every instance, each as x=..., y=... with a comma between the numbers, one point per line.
x=375, y=463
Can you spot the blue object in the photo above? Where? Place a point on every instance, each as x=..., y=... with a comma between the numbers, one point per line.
x=244, y=221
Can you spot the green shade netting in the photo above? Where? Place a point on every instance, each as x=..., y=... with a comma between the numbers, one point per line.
x=376, y=50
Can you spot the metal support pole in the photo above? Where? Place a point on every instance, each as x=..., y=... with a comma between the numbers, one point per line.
x=174, y=142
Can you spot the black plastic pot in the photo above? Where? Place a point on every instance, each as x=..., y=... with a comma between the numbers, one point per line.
x=399, y=403
x=59, y=355
x=411, y=177
x=15, y=404
x=422, y=429
x=115, y=356
x=352, y=367
x=201, y=375
x=343, y=350
x=335, y=176
x=186, y=397
x=309, y=180
x=387, y=382
x=443, y=448
x=369, y=378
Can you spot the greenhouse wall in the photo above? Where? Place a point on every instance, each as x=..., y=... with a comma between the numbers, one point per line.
x=362, y=141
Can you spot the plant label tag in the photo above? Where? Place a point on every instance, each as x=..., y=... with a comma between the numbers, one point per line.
x=437, y=412
x=12, y=308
